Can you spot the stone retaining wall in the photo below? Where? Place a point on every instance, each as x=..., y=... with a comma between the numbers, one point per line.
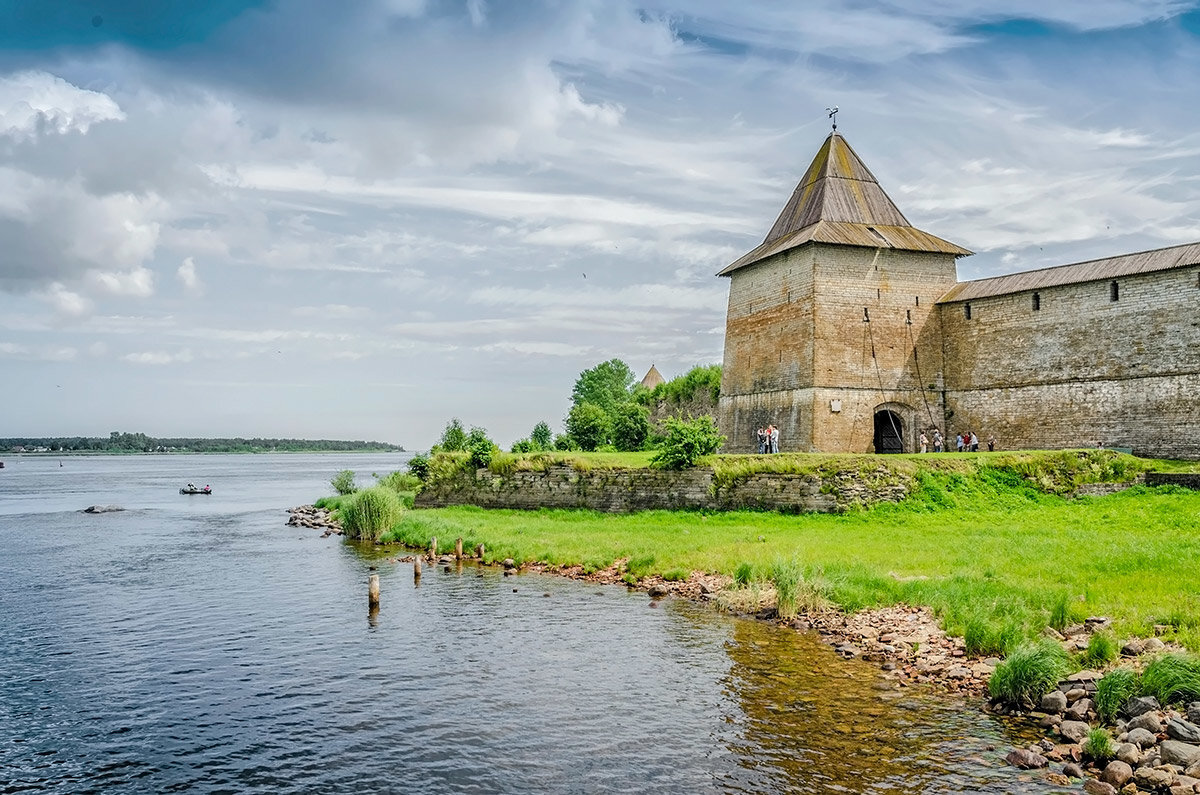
x=622, y=491
x=1187, y=480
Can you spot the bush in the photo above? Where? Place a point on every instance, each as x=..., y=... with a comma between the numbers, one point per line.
x=588, y=425
x=1172, y=677
x=1102, y=649
x=454, y=438
x=343, y=482
x=480, y=448
x=687, y=442
x=371, y=513
x=523, y=446
x=1028, y=673
x=540, y=437
x=400, y=482
x=418, y=465
x=565, y=444
x=1099, y=746
x=1113, y=690
x=630, y=427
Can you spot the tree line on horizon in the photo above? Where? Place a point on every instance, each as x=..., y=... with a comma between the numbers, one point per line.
x=120, y=442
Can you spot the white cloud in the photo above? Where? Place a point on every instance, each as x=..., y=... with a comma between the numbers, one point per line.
x=32, y=103
x=158, y=357
x=65, y=302
x=136, y=282
x=187, y=275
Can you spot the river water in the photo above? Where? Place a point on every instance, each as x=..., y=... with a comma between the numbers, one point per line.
x=196, y=643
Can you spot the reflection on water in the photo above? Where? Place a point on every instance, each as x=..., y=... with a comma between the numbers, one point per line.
x=208, y=647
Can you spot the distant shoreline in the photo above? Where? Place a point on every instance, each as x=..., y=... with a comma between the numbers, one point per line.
x=94, y=453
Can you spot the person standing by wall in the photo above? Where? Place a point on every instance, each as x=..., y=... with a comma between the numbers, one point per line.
x=924, y=442
x=937, y=440
x=774, y=438
x=991, y=443
x=762, y=439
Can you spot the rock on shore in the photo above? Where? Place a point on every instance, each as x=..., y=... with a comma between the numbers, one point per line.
x=315, y=518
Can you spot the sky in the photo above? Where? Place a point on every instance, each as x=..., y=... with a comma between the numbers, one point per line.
x=357, y=220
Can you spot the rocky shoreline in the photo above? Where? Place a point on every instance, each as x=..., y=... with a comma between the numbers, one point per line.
x=1157, y=749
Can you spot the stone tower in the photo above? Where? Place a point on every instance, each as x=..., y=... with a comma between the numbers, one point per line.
x=832, y=333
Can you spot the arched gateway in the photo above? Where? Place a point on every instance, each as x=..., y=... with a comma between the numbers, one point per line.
x=889, y=432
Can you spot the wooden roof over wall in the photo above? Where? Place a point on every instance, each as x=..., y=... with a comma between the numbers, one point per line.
x=839, y=201
x=652, y=378
x=1159, y=259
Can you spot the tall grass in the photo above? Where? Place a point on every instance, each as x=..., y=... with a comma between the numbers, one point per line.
x=786, y=576
x=1102, y=650
x=1172, y=677
x=1113, y=690
x=1028, y=673
x=985, y=635
x=1099, y=746
x=1060, y=612
x=370, y=513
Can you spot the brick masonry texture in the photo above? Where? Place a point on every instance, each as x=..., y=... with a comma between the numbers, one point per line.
x=623, y=491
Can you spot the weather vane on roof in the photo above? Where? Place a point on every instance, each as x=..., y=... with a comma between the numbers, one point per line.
x=833, y=115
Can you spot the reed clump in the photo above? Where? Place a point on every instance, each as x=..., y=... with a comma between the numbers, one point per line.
x=1099, y=746
x=370, y=513
x=1172, y=677
x=1030, y=671
x=1113, y=690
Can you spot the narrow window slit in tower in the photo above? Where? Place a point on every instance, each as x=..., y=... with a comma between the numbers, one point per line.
x=1114, y=292
x=918, y=300
x=1037, y=301
x=967, y=311
x=878, y=293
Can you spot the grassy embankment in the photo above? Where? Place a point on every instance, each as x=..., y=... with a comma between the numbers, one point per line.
x=985, y=540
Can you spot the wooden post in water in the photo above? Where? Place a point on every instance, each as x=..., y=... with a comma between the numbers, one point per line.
x=373, y=592
x=416, y=568
x=458, y=549
x=433, y=548
x=479, y=551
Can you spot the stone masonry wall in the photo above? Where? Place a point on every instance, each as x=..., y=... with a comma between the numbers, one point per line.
x=621, y=491
x=795, y=343
x=1082, y=369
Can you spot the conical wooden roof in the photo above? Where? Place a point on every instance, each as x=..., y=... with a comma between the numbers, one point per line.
x=839, y=201
x=653, y=378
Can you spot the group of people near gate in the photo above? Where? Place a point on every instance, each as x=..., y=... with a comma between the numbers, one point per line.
x=768, y=439
x=966, y=442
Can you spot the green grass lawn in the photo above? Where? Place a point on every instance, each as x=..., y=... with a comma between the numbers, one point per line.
x=989, y=553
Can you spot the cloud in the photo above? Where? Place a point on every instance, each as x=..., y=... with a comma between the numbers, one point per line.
x=157, y=358
x=65, y=302
x=36, y=103
x=187, y=275
x=136, y=282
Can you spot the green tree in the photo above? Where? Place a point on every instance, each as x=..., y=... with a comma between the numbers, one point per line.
x=454, y=438
x=607, y=385
x=630, y=427
x=541, y=438
x=480, y=447
x=588, y=425
x=687, y=441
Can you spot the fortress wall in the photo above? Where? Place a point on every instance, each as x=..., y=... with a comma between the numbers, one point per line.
x=1082, y=369
x=740, y=416
x=768, y=327
x=895, y=287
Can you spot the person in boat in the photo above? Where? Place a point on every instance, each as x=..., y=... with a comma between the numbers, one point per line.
x=207, y=489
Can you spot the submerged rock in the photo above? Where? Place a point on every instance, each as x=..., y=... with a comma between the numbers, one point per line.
x=102, y=509
x=1025, y=759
